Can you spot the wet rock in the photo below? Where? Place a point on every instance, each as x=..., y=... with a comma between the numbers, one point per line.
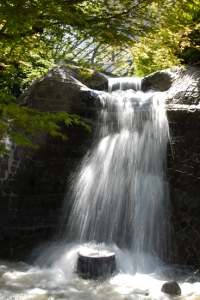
x=171, y=288
x=160, y=81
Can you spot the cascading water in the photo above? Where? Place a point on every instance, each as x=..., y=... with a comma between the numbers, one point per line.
x=120, y=203
x=120, y=194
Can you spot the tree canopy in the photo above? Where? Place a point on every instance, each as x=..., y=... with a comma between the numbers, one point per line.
x=34, y=33
x=175, y=39
x=30, y=33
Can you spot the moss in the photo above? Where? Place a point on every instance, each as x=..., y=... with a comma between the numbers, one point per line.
x=85, y=73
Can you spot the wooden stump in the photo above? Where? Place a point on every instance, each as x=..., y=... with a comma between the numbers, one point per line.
x=95, y=264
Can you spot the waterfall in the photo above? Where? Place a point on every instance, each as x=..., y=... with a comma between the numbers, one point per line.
x=120, y=205
x=124, y=83
x=120, y=194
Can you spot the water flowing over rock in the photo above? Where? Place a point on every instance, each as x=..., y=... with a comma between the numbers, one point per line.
x=60, y=90
x=33, y=182
x=120, y=194
x=182, y=85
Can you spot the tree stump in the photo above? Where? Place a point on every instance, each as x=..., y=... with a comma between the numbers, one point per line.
x=94, y=263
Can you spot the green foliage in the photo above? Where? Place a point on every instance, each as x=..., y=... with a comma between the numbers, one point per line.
x=173, y=41
x=85, y=72
x=153, y=54
x=33, y=33
x=162, y=34
x=31, y=121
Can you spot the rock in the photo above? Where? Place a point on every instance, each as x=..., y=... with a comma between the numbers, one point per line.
x=171, y=288
x=181, y=84
x=159, y=81
x=92, y=79
x=60, y=90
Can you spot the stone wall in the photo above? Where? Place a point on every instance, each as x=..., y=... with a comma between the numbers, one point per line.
x=182, y=87
x=33, y=182
x=32, y=194
x=184, y=181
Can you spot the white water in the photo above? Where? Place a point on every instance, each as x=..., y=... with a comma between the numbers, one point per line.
x=19, y=281
x=121, y=204
x=120, y=195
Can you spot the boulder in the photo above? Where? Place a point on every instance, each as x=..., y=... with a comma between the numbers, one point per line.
x=181, y=84
x=160, y=81
x=92, y=79
x=33, y=182
x=64, y=89
x=171, y=288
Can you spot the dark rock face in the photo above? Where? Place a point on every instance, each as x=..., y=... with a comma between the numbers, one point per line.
x=181, y=85
x=159, y=81
x=185, y=88
x=171, y=288
x=183, y=110
x=59, y=90
x=33, y=182
x=184, y=180
x=92, y=79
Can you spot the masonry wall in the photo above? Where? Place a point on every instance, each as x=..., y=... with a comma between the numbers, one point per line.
x=32, y=195
x=33, y=192
x=33, y=182
x=184, y=180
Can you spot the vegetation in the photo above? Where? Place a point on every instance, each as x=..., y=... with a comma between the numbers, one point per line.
x=32, y=32
x=35, y=33
x=170, y=36
x=174, y=41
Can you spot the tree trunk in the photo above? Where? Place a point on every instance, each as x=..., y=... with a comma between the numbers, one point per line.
x=96, y=264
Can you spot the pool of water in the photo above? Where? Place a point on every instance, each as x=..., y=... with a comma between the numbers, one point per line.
x=53, y=276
